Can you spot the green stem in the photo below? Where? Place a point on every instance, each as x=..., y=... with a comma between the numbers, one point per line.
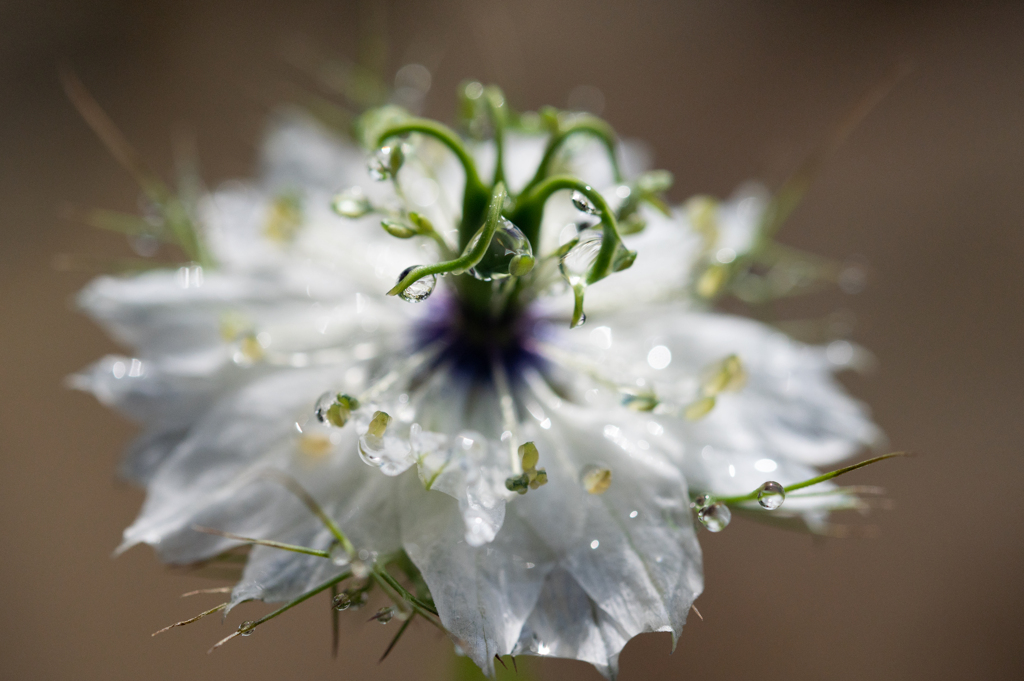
x=304, y=597
x=587, y=125
x=529, y=212
x=468, y=258
x=263, y=542
x=312, y=504
x=385, y=576
x=813, y=481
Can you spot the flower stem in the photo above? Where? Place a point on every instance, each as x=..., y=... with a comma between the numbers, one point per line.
x=813, y=481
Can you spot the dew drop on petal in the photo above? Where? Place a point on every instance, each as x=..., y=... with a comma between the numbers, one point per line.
x=420, y=289
x=715, y=516
x=771, y=495
x=339, y=556
x=584, y=204
x=596, y=479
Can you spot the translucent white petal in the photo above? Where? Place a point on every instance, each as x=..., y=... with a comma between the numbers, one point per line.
x=483, y=594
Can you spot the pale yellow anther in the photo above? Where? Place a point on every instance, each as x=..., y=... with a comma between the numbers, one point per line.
x=538, y=478
x=284, y=218
x=724, y=376
x=250, y=348
x=596, y=479
x=699, y=409
x=233, y=325
x=529, y=455
x=314, y=445
x=710, y=282
x=703, y=214
x=378, y=424
x=737, y=374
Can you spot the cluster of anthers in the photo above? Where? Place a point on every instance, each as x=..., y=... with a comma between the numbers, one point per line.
x=664, y=410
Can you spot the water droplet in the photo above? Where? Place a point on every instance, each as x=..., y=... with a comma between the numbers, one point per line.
x=342, y=601
x=584, y=204
x=575, y=264
x=509, y=253
x=725, y=255
x=420, y=289
x=634, y=514
x=594, y=544
x=334, y=409
x=392, y=455
x=715, y=516
x=247, y=627
x=596, y=479
x=339, y=556
x=771, y=495
x=702, y=501
x=360, y=569
x=385, y=614
x=386, y=161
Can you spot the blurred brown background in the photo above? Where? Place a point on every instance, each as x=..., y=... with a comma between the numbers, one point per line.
x=929, y=190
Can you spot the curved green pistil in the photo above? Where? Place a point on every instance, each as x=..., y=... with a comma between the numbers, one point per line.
x=529, y=212
x=483, y=206
x=470, y=257
x=474, y=199
x=586, y=125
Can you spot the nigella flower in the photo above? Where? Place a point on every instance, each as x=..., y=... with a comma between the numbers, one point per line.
x=394, y=385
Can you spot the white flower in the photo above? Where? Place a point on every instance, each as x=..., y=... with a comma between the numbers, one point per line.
x=655, y=400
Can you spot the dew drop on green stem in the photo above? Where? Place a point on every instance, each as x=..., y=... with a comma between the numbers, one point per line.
x=351, y=203
x=386, y=162
x=771, y=495
x=584, y=204
x=575, y=264
x=715, y=516
x=342, y=601
x=509, y=253
x=339, y=556
x=420, y=289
